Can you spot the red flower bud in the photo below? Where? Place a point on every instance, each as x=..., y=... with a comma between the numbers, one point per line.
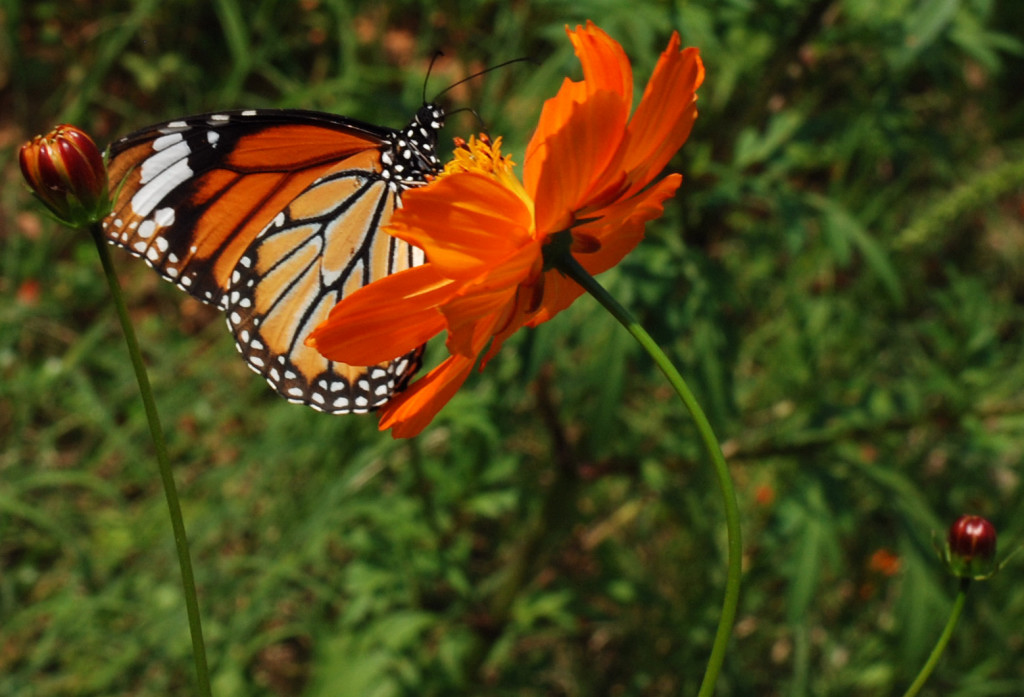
x=972, y=547
x=65, y=170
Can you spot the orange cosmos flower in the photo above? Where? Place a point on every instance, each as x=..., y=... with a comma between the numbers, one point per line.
x=488, y=237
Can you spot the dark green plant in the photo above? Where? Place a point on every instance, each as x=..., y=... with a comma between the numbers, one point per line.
x=841, y=275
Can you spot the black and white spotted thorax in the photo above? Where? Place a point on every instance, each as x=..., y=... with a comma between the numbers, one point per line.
x=413, y=154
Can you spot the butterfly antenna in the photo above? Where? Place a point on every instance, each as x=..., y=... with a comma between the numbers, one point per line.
x=479, y=119
x=430, y=69
x=478, y=74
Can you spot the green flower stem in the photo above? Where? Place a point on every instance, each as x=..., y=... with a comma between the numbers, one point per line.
x=170, y=490
x=940, y=645
x=568, y=265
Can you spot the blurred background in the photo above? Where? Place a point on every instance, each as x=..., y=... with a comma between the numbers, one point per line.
x=839, y=278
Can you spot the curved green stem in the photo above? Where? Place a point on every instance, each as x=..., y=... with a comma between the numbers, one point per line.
x=940, y=645
x=568, y=265
x=170, y=490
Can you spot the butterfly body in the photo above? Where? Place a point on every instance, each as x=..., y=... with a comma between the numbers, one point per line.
x=273, y=216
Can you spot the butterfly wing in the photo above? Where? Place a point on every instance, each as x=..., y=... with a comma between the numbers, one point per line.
x=212, y=202
x=195, y=193
x=324, y=245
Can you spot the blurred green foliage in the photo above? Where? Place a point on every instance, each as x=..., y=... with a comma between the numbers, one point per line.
x=840, y=278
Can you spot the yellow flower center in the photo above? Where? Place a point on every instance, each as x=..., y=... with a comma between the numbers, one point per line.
x=479, y=155
x=483, y=156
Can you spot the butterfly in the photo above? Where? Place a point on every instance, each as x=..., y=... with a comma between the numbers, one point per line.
x=273, y=216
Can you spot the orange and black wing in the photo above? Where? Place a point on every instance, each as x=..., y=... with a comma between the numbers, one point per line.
x=324, y=245
x=273, y=216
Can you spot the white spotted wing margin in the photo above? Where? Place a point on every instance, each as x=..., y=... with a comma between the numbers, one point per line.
x=273, y=216
x=325, y=245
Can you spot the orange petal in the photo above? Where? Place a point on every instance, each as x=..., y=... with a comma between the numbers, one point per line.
x=464, y=222
x=663, y=121
x=575, y=160
x=605, y=68
x=471, y=320
x=559, y=293
x=487, y=303
x=553, y=117
x=463, y=339
x=523, y=306
x=521, y=266
x=411, y=411
x=620, y=226
x=385, y=319
x=605, y=64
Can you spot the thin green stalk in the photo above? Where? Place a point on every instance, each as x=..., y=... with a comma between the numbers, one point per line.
x=940, y=645
x=170, y=490
x=568, y=265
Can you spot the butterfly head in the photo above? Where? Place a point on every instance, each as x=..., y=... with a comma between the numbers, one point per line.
x=415, y=148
